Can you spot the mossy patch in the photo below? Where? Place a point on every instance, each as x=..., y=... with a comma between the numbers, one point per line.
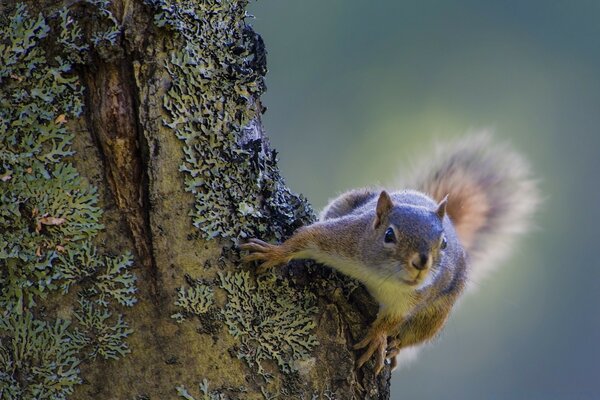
x=207, y=394
x=212, y=105
x=38, y=360
x=272, y=320
x=195, y=300
x=49, y=217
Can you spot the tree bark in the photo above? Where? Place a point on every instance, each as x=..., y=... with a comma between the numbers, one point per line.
x=133, y=163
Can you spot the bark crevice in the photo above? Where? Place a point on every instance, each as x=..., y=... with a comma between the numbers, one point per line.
x=112, y=120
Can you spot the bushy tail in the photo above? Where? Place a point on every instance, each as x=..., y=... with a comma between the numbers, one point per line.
x=491, y=196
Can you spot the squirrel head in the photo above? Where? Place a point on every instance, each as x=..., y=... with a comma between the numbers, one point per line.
x=407, y=240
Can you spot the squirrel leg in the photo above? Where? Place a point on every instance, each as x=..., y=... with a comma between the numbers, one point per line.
x=309, y=242
x=416, y=329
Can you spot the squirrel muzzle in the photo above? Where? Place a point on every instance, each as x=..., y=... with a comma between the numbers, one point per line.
x=420, y=261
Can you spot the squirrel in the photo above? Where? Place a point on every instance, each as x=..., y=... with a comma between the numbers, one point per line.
x=415, y=250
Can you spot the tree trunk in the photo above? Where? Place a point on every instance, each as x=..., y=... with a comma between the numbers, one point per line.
x=133, y=161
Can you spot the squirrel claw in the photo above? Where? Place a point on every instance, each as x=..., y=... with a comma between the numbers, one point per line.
x=363, y=343
x=256, y=246
x=393, y=363
x=376, y=343
x=392, y=355
x=267, y=254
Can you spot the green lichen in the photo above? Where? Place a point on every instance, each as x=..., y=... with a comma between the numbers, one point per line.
x=206, y=394
x=35, y=101
x=326, y=394
x=272, y=320
x=99, y=334
x=71, y=38
x=196, y=300
x=100, y=277
x=216, y=78
x=49, y=218
x=216, y=73
x=110, y=33
x=38, y=360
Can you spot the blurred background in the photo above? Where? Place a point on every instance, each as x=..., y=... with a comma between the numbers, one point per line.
x=357, y=89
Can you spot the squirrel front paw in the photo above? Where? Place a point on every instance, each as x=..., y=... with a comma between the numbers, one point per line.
x=376, y=343
x=269, y=255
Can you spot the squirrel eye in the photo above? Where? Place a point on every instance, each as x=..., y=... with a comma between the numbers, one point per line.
x=390, y=236
x=444, y=243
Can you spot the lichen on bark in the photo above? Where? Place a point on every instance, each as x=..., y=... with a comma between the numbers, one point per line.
x=216, y=72
x=49, y=218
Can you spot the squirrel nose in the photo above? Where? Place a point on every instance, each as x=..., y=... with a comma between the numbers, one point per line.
x=420, y=261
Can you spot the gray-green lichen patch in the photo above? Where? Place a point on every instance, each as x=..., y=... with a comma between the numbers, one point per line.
x=102, y=277
x=99, y=333
x=216, y=78
x=103, y=30
x=109, y=34
x=38, y=360
x=212, y=106
x=272, y=320
x=49, y=217
x=206, y=394
x=196, y=300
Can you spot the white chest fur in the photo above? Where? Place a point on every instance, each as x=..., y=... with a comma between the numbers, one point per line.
x=394, y=298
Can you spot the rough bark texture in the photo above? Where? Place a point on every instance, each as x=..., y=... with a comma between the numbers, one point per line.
x=156, y=105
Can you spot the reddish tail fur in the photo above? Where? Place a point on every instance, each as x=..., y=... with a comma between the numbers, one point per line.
x=490, y=195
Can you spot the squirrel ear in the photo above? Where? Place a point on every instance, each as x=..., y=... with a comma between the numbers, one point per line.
x=384, y=205
x=441, y=208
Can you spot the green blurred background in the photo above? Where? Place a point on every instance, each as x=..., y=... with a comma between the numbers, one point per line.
x=357, y=89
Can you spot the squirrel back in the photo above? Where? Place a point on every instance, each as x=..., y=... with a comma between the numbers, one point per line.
x=491, y=196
